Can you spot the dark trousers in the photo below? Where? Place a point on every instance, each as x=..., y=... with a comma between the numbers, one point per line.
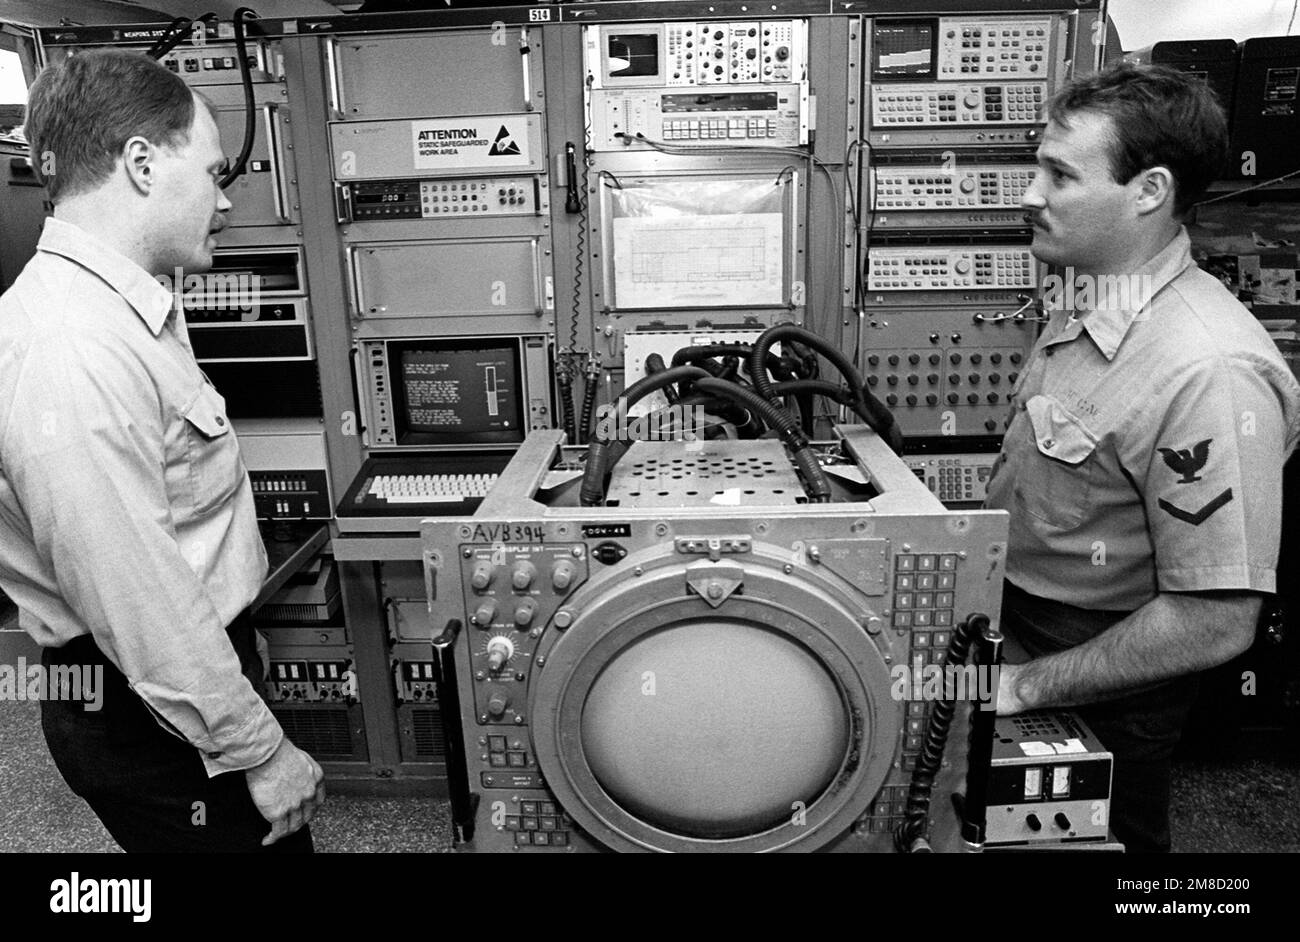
x=149, y=787
x=1140, y=729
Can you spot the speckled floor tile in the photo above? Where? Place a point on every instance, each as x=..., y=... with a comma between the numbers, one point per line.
x=1238, y=805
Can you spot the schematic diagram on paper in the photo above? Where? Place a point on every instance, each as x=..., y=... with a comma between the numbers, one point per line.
x=690, y=261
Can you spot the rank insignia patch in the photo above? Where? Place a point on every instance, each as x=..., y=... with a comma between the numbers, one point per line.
x=1187, y=461
x=1198, y=517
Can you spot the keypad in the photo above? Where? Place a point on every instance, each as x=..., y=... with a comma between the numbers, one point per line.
x=539, y=824
x=924, y=592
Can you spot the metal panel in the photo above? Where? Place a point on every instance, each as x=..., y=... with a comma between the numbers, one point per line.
x=447, y=279
x=267, y=192
x=452, y=73
x=663, y=474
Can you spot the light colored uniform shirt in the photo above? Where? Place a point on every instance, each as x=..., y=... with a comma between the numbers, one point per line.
x=125, y=509
x=1146, y=447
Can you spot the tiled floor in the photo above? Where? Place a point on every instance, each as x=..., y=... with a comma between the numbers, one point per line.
x=1246, y=805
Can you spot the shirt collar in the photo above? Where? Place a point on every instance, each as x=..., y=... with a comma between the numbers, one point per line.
x=153, y=302
x=1123, y=300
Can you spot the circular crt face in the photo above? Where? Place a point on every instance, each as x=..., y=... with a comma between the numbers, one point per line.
x=714, y=729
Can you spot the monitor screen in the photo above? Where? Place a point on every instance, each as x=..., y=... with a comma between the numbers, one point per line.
x=903, y=50
x=633, y=54
x=457, y=391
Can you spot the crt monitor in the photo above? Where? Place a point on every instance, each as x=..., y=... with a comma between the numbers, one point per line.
x=462, y=391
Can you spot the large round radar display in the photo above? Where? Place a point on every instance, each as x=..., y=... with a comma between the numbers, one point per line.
x=671, y=729
x=714, y=707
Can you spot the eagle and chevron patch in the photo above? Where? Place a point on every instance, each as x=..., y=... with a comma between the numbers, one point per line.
x=1186, y=462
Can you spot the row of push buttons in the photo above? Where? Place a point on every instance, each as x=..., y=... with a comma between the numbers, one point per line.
x=931, y=643
x=542, y=838
x=923, y=600
x=928, y=562
x=264, y=486
x=515, y=822
x=995, y=31
x=226, y=63
x=714, y=128
x=928, y=581
x=924, y=618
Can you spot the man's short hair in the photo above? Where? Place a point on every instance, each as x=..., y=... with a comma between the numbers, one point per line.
x=82, y=111
x=1162, y=117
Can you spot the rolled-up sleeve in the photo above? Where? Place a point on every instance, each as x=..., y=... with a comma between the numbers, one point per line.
x=84, y=449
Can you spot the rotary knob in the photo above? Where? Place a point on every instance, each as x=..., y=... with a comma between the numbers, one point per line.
x=967, y=185
x=525, y=612
x=522, y=575
x=562, y=574
x=499, y=650
x=962, y=266
x=481, y=578
x=498, y=703
x=484, y=614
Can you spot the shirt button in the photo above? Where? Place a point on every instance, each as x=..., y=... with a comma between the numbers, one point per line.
x=221, y=421
x=1049, y=443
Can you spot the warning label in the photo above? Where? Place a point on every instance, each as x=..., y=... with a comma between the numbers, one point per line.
x=470, y=143
x=504, y=144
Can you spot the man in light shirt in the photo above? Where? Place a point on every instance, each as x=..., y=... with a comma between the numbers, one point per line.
x=128, y=536
x=1143, y=465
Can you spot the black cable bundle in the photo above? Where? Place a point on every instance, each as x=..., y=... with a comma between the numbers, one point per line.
x=600, y=453
x=868, y=408
x=565, y=382
x=911, y=835
x=589, y=401
x=696, y=378
x=250, y=110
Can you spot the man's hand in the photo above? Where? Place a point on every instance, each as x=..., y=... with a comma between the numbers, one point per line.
x=287, y=789
x=1175, y=634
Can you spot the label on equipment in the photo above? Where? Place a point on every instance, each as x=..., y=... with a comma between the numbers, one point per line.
x=597, y=531
x=455, y=143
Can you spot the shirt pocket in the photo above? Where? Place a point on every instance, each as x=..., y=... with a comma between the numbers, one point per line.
x=1056, y=487
x=212, y=452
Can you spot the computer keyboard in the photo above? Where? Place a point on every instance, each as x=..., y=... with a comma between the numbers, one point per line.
x=429, y=488
x=393, y=493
